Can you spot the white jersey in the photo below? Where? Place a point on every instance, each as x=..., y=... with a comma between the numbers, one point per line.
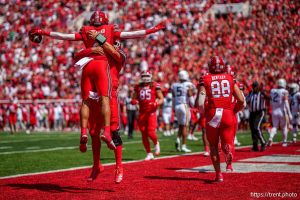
x=277, y=99
x=180, y=92
x=295, y=102
x=167, y=106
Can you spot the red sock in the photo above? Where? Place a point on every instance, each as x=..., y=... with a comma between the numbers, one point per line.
x=96, y=145
x=83, y=131
x=146, y=142
x=207, y=148
x=118, y=156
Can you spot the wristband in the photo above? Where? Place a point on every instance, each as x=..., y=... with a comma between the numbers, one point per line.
x=101, y=39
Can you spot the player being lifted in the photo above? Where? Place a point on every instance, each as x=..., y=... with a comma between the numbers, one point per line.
x=281, y=113
x=182, y=91
x=99, y=76
x=219, y=87
x=116, y=59
x=149, y=96
x=295, y=107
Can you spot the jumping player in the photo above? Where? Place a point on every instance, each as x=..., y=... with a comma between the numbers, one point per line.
x=219, y=87
x=145, y=95
x=98, y=22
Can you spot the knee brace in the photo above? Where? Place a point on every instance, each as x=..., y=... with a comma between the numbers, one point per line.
x=117, y=138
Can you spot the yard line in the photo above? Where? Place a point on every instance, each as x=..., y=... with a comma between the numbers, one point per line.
x=107, y=164
x=6, y=147
x=56, y=148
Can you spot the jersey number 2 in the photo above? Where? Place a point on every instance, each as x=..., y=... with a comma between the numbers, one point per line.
x=220, y=89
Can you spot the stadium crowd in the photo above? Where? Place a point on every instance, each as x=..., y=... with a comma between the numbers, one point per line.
x=261, y=47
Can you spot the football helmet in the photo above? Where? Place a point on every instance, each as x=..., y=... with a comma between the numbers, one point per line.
x=183, y=75
x=146, y=77
x=281, y=83
x=216, y=65
x=294, y=87
x=98, y=18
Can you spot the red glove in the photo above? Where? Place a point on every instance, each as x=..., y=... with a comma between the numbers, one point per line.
x=134, y=102
x=38, y=31
x=158, y=27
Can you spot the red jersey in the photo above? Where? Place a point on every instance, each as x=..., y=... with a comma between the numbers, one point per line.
x=146, y=95
x=106, y=30
x=219, y=90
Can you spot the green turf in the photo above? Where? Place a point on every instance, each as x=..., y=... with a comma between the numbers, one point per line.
x=61, y=151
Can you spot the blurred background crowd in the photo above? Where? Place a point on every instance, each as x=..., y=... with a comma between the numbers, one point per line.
x=261, y=47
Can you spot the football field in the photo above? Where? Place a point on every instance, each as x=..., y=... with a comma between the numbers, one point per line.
x=256, y=174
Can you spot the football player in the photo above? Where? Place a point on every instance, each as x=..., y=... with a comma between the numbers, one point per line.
x=149, y=97
x=92, y=73
x=281, y=113
x=167, y=114
x=295, y=107
x=182, y=91
x=219, y=87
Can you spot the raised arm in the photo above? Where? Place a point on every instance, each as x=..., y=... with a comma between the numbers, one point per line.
x=56, y=35
x=239, y=97
x=141, y=33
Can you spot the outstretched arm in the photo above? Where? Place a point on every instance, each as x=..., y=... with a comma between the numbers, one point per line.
x=56, y=35
x=140, y=33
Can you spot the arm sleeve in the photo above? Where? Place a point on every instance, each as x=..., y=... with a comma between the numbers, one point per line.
x=65, y=36
x=130, y=35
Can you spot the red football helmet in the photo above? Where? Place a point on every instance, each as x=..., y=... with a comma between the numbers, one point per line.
x=98, y=18
x=216, y=65
x=146, y=77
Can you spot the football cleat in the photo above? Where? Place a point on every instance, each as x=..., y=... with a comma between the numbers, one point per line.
x=185, y=149
x=118, y=174
x=284, y=144
x=83, y=143
x=263, y=147
x=194, y=138
x=269, y=143
x=157, y=149
x=95, y=172
x=149, y=157
x=229, y=168
x=219, y=177
x=294, y=140
x=190, y=137
x=105, y=137
x=206, y=154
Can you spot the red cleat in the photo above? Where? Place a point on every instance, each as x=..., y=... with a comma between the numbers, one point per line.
x=83, y=143
x=229, y=168
x=105, y=137
x=95, y=172
x=118, y=174
x=219, y=177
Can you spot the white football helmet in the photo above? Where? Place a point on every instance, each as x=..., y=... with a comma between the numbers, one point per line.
x=281, y=83
x=183, y=75
x=169, y=95
x=146, y=77
x=294, y=87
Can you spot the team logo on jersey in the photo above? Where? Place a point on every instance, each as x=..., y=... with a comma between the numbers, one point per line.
x=102, y=31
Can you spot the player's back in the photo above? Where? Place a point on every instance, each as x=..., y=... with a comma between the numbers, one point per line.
x=277, y=99
x=180, y=92
x=219, y=89
x=294, y=101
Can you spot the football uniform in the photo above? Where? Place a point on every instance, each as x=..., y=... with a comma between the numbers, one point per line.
x=180, y=98
x=279, y=113
x=167, y=111
x=295, y=107
x=220, y=119
x=146, y=95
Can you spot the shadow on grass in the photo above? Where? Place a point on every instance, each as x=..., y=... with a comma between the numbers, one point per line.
x=174, y=178
x=53, y=188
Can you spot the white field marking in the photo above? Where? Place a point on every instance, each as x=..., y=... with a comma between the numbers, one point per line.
x=108, y=164
x=274, y=158
x=6, y=147
x=31, y=148
x=86, y=167
x=298, y=150
x=56, y=148
x=239, y=167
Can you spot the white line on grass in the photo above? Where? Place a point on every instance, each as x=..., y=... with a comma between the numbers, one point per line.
x=108, y=164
